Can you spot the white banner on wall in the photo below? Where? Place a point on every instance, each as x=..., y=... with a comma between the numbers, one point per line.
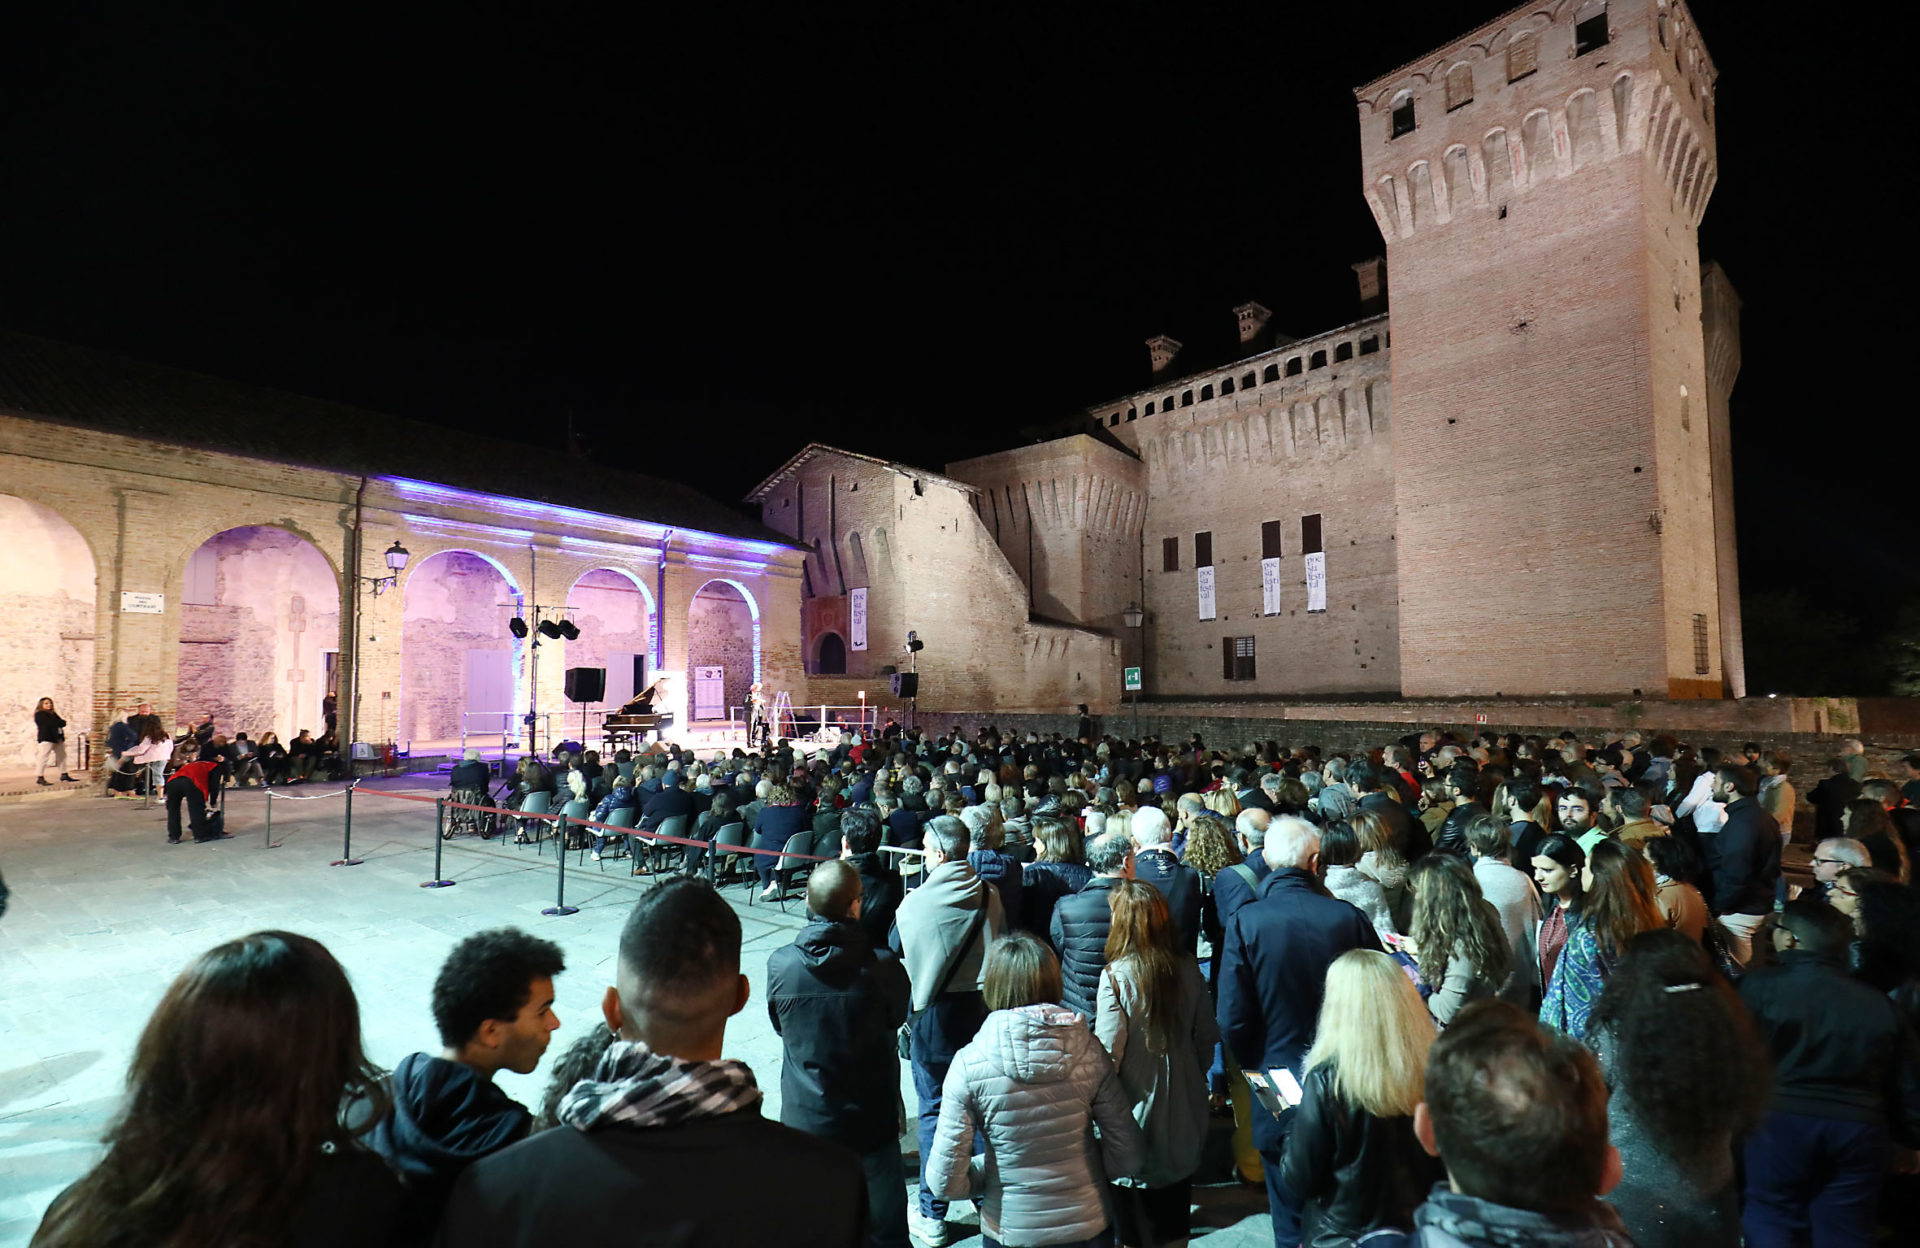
x=1270, y=587
x=1206, y=593
x=1316, y=583
x=857, y=617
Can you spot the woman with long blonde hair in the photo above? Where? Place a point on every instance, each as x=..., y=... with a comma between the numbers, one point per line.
x=1155, y=1019
x=1351, y=1158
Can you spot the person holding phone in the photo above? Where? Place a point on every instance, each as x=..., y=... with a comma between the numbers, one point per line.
x=1352, y=1158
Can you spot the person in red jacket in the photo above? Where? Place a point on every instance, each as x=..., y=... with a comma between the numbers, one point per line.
x=196, y=783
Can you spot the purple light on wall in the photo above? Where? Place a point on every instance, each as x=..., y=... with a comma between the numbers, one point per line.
x=427, y=491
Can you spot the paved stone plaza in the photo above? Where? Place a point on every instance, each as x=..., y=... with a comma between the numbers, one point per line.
x=104, y=914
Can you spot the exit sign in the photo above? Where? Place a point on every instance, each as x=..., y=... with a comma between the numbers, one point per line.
x=1133, y=680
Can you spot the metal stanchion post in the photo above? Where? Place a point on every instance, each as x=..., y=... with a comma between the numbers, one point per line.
x=713, y=853
x=269, y=831
x=439, y=839
x=560, y=905
x=346, y=858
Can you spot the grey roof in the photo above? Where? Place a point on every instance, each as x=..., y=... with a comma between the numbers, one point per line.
x=58, y=382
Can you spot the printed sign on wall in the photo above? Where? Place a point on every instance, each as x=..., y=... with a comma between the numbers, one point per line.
x=1206, y=593
x=138, y=603
x=709, y=692
x=1316, y=583
x=1270, y=587
x=857, y=617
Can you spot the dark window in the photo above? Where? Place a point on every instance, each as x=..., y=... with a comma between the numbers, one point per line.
x=1113, y=419
x=832, y=660
x=1369, y=345
x=1236, y=658
x=1701, y=666
x=1270, y=373
x=1149, y=409
x=1169, y=554
x=1590, y=34
x=1206, y=392
x=1186, y=398
x=1226, y=386
x=1166, y=404
x=1319, y=360
x=1403, y=117
x=1270, y=540
x=1133, y=413
x=1310, y=534
x=1293, y=367
x=1203, y=550
x=1247, y=382
x=1343, y=352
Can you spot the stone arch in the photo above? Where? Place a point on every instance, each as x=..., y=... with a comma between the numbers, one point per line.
x=1583, y=127
x=1536, y=145
x=856, y=559
x=1459, y=176
x=830, y=654
x=614, y=611
x=1498, y=158
x=723, y=630
x=260, y=632
x=457, y=655
x=48, y=596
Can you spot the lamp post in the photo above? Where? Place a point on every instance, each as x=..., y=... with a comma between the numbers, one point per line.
x=396, y=562
x=1134, y=618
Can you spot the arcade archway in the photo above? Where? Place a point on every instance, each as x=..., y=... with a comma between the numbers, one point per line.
x=723, y=650
x=614, y=614
x=458, y=659
x=47, y=598
x=830, y=656
x=259, y=633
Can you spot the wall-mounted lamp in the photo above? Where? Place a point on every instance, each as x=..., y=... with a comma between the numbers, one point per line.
x=396, y=561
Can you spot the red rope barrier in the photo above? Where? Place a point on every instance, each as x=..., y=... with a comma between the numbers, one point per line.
x=654, y=838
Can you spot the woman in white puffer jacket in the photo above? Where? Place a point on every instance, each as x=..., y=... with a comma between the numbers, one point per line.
x=1036, y=1083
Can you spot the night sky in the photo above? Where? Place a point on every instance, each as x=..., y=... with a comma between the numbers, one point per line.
x=710, y=234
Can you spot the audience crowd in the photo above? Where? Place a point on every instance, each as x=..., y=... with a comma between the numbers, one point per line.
x=1502, y=991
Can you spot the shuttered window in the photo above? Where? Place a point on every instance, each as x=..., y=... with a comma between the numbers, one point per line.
x=1203, y=550
x=1236, y=658
x=1270, y=540
x=1523, y=57
x=1169, y=554
x=1310, y=534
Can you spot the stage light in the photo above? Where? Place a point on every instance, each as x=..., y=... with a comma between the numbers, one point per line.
x=568, y=631
x=517, y=626
x=549, y=629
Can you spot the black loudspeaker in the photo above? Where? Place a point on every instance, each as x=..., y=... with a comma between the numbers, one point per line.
x=904, y=684
x=586, y=684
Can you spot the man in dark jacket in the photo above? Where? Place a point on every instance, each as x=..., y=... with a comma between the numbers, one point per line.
x=880, y=886
x=1829, y=799
x=493, y=1005
x=122, y=736
x=672, y=800
x=641, y=1142
x=1409, y=834
x=470, y=773
x=1155, y=863
x=1235, y=888
x=1744, y=857
x=1081, y=923
x=837, y=1007
x=1846, y=1080
x=1462, y=780
x=1273, y=974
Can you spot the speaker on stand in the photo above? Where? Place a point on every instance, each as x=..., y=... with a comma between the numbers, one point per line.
x=584, y=685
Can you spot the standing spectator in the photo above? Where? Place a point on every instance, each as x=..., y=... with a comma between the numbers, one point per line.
x=1409, y=838
x=233, y=1131
x=196, y=783
x=1513, y=895
x=642, y=1135
x=1576, y=809
x=941, y=933
x=1352, y=1158
x=1675, y=871
x=1830, y=797
x=1618, y=903
x=1687, y=1076
x=1744, y=859
x=1339, y=858
x=989, y=859
x=1457, y=940
x=1034, y=1082
x=1558, y=867
x=1846, y=1081
x=1059, y=869
x=1518, y=1115
x=1237, y=884
x=1082, y=922
x=1382, y=862
x=122, y=736
x=880, y=887
x=493, y=1005
x=837, y=1007
x=1462, y=782
x=1155, y=1020
x=1210, y=850
x=50, y=732
x=1274, y=971
x=1911, y=789
x=1155, y=863
x=1776, y=791
x=1529, y=818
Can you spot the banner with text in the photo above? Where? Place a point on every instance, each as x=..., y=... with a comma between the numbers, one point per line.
x=857, y=617
x=1316, y=583
x=1269, y=587
x=1206, y=593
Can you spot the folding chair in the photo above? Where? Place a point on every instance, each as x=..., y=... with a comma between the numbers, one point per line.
x=536, y=804
x=578, y=808
x=727, y=843
x=656, y=852
x=799, y=843
x=625, y=817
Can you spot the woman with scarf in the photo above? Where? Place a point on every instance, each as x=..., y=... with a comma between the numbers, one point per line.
x=1620, y=902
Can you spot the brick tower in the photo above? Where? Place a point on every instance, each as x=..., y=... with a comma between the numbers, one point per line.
x=1540, y=183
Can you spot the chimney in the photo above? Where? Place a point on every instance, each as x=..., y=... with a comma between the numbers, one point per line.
x=1373, y=285
x=1161, y=350
x=1253, y=319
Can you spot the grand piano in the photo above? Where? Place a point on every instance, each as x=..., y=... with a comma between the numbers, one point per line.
x=630, y=724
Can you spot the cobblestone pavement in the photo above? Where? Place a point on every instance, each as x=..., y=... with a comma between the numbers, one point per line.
x=104, y=913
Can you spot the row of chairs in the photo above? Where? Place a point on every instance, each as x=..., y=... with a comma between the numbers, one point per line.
x=730, y=841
